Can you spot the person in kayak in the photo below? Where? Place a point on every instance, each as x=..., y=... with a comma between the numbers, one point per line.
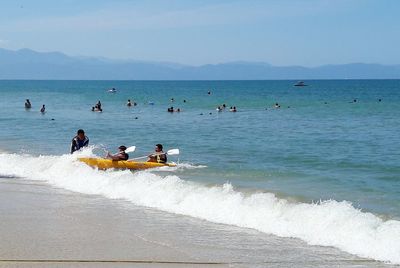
x=79, y=141
x=158, y=156
x=121, y=155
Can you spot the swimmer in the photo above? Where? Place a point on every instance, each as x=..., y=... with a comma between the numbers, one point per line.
x=129, y=103
x=43, y=109
x=98, y=105
x=28, y=104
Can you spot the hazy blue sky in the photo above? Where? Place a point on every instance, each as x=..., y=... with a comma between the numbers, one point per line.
x=281, y=32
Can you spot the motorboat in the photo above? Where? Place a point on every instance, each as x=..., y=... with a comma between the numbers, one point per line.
x=300, y=84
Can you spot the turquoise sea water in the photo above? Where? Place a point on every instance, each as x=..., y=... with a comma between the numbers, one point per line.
x=319, y=145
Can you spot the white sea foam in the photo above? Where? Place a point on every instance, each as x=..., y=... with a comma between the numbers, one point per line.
x=328, y=223
x=179, y=167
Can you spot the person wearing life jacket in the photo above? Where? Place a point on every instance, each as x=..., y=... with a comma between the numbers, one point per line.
x=121, y=155
x=79, y=141
x=158, y=156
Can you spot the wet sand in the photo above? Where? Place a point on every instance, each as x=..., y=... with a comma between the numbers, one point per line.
x=42, y=226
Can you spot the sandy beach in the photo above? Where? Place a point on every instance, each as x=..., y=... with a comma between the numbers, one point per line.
x=46, y=227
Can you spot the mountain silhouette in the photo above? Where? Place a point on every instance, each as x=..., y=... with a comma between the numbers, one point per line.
x=29, y=64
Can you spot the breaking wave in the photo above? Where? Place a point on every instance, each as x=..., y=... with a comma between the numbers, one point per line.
x=327, y=223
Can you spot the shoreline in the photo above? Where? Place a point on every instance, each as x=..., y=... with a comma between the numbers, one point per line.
x=42, y=225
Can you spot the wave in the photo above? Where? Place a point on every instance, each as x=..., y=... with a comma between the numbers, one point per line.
x=179, y=167
x=326, y=223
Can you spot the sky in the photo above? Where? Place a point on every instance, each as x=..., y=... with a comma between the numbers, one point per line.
x=280, y=32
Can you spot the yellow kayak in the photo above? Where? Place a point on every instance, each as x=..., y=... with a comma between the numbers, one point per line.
x=102, y=163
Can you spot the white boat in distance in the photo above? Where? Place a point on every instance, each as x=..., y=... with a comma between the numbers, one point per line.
x=300, y=84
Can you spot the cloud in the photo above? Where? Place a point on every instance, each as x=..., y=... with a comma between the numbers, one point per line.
x=148, y=18
x=3, y=42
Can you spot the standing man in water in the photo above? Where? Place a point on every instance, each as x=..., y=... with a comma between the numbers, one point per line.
x=79, y=141
x=158, y=156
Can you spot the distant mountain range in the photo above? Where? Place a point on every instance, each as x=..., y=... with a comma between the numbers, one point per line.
x=29, y=64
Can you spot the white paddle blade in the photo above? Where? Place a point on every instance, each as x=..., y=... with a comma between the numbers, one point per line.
x=173, y=152
x=130, y=149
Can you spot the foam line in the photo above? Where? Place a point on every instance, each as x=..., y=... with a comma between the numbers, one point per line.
x=327, y=223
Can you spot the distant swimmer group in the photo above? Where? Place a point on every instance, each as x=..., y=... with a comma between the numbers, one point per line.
x=97, y=107
x=28, y=105
x=130, y=104
x=223, y=107
x=171, y=109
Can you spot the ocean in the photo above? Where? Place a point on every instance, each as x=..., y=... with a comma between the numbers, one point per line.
x=324, y=167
